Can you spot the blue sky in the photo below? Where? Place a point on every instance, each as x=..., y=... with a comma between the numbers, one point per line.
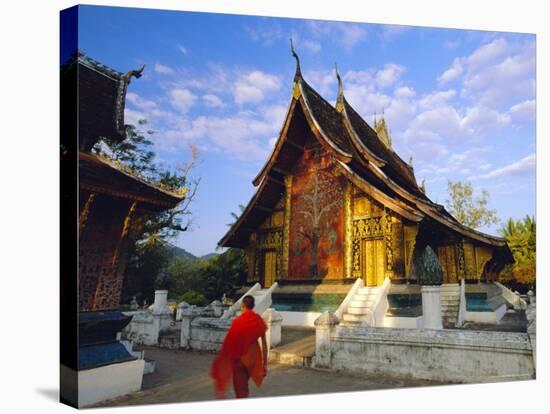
x=461, y=102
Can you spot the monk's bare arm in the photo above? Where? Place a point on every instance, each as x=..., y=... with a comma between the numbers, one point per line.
x=264, y=352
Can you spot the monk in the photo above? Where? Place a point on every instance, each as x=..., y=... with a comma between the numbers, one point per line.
x=240, y=357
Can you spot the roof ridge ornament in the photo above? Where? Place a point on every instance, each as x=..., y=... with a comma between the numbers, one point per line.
x=134, y=72
x=340, y=97
x=298, y=70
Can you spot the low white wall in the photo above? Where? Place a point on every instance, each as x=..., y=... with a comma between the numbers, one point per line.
x=486, y=317
x=207, y=334
x=404, y=322
x=442, y=355
x=299, y=318
x=104, y=383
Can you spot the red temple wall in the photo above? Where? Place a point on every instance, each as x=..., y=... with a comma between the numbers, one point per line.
x=102, y=254
x=317, y=218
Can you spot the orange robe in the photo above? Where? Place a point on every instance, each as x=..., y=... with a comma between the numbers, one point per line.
x=240, y=346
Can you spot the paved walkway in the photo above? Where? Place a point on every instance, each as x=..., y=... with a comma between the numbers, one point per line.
x=182, y=376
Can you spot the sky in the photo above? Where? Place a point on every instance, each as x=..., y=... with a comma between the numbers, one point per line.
x=460, y=102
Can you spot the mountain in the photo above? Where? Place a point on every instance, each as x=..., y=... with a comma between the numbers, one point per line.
x=177, y=252
x=209, y=255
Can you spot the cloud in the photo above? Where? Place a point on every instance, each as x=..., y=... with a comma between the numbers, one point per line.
x=267, y=33
x=143, y=108
x=497, y=74
x=252, y=87
x=436, y=99
x=182, y=99
x=452, y=73
x=212, y=101
x=162, y=69
x=348, y=35
x=182, y=49
x=524, y=166
x=140, y=103
x=524, y=111
x=389, y=75
x=390, y=31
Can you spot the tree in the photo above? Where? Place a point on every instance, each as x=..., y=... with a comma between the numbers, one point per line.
x=521, y=236
x=317, y=210
x=470, y=211
x=147, y=258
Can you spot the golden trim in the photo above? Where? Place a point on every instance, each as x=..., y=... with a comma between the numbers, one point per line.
x=85, y=213
x=286, y=228
x=296, y=92
x=348, y=228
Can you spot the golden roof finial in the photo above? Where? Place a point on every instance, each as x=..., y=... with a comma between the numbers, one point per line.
x=340, y=97
x=375, y=119
x=298, y=70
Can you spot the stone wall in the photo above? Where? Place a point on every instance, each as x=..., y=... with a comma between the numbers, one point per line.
x=441, y=355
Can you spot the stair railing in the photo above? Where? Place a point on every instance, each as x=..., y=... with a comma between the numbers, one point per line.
x=380, y=304
x=349, y=297
x=233, y=309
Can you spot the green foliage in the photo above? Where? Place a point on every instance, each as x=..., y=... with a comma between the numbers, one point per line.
x=521, y=236
x=236, y=216
x=192, y=297
x=427, y=267
x=212, y=277
x=148, y=258
x=470, y=211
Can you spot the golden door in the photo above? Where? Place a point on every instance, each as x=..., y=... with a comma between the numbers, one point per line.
x=373, y=263
x=270, y=268
x=447, y=260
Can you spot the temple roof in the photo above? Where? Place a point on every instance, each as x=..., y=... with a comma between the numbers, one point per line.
x=101, y=98
x=358, y=150
x=100, y=175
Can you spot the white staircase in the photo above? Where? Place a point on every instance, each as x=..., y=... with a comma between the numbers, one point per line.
x=450, y=303
x=262, y=301
x=361, y=306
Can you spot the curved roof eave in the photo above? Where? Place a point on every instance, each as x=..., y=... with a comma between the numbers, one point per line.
x=396, y=205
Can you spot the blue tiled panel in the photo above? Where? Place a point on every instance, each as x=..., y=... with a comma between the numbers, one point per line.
x=477, y=302
x=407, y=305
x=307, y=302
x=95, y=356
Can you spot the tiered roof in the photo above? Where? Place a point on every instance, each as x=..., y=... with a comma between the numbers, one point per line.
x=361, y=155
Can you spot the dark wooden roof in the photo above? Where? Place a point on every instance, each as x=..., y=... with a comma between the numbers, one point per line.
x=101, y=98
x=360, y=154
x=100, y=176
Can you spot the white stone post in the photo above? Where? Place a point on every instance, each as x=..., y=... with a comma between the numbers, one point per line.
x=274, y=321
x=217, y=307
x=431, y=307
x=162, y=315
x=187, y=316
x=160, y=305
x=324, y=324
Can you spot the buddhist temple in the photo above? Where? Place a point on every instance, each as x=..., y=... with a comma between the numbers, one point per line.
x=335, y=203
x=113, y=203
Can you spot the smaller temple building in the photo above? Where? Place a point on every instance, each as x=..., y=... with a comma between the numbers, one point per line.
x=114, y=203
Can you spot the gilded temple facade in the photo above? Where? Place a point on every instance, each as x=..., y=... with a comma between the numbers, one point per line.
x=334, y=203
